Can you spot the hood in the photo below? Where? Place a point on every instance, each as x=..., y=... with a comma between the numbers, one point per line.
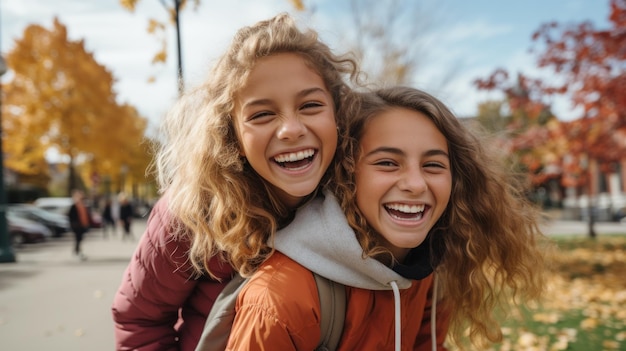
x=320, y=239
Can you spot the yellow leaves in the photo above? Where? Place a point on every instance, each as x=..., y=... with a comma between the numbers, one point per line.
x=589, y=324
x=158, y=28
x=297, y=4
x=547, y=317
x=611, y=344
x=584, y=306
x=160, y=57
x=128, y=4
x=61, y=97
x=154, y=25
x=527, y=340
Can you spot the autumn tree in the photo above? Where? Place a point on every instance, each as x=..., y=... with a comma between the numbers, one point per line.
x=122, y=157
x=527, y=129
x=590, y=65
x=60, y=97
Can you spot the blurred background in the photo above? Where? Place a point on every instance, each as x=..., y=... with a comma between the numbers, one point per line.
x=84, y=85
x=87, y=83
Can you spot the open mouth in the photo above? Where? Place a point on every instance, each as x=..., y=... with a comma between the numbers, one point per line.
x=405, y=212
x=294, y=161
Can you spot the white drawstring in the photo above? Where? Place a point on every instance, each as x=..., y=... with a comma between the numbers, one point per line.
x=396, y=300
x=433, y=317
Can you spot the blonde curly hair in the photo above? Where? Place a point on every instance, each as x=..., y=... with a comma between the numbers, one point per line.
x=218, y=201
x=486, y=247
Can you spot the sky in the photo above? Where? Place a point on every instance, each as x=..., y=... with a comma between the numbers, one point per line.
x=465, y=40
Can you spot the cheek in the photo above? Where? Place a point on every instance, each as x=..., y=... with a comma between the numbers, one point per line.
x=444, y=190
x=253, y=139
x=328, y=128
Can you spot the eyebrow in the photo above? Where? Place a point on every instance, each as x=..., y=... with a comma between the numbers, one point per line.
x=300, y=94
x=396, y=151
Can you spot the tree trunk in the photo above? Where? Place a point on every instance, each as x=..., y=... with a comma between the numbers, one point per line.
x=178, y=45
x=591, y=219
x=71, y=179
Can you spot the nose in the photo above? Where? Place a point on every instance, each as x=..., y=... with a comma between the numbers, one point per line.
x=291, y=128
x=412, y=180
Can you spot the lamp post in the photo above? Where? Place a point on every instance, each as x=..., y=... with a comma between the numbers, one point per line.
x=179, y=70
x=6, y=250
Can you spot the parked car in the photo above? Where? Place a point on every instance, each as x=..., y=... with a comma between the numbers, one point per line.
x=61, y=205
x=24, y=231
x=56, y=222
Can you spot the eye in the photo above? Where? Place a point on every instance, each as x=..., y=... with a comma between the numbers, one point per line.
x=311, y=106
x=385, y=163
x=260, y=115
x=436, y=166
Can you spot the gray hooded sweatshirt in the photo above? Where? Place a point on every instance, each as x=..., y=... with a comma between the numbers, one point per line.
x=320, y=239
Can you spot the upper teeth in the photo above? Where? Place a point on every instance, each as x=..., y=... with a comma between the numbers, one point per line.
x=294, y=156
x=406, y=208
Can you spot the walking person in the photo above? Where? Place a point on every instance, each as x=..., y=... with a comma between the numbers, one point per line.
x=108, y=221
x=126, y=216
x=78, y=216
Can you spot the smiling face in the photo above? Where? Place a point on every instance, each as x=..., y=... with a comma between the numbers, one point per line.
x=285, y=121
x=403, y=177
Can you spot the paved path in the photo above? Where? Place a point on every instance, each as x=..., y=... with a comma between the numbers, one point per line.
x=559, y=227
x=51, y=301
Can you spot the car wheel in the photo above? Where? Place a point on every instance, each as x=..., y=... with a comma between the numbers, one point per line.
x=18, y=239
x=56, y=232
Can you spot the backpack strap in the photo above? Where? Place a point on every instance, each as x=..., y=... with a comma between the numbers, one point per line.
x=220, y=320
x=332, y=297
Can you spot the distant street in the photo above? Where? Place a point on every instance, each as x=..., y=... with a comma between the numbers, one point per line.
x=558, y=227
x=51, y=301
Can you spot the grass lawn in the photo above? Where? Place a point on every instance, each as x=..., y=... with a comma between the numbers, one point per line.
x=585, y=306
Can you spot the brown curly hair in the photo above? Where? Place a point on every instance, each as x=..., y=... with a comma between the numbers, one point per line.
x=217, y=200
x=486, y=247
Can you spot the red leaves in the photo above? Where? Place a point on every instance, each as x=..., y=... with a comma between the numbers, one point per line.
x=591, y=64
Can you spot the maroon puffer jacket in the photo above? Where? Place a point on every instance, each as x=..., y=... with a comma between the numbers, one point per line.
x=158, y=287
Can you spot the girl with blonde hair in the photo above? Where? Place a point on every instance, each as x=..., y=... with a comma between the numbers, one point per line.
x=239, y=154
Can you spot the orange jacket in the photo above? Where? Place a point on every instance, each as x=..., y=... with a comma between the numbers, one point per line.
x=279, y=310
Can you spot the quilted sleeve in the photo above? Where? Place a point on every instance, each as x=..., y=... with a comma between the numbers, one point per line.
x=154, y=286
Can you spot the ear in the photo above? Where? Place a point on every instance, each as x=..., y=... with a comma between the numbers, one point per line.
x=240, y=149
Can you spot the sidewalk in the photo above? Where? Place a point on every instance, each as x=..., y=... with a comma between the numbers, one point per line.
x=563, y=227
x=49, y=300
